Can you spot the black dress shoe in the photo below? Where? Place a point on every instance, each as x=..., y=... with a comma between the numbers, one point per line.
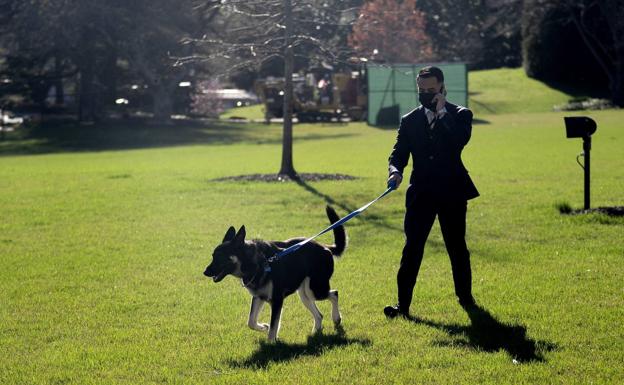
x=393, y=311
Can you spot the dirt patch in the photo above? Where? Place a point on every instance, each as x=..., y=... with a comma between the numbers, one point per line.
x=303, y=177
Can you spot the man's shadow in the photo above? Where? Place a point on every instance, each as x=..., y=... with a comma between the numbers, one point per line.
x=316, y=345
x=486, y=333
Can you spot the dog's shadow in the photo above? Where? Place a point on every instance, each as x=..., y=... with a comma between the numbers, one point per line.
x=486, y=333
x=316, y=345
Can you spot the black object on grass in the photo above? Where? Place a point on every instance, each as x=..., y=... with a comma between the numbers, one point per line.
x=582, y=127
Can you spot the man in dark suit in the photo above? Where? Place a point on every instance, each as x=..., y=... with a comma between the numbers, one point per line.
x=434, y=134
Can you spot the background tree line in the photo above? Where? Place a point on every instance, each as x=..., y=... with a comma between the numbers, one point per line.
x=94, y=51
x=97, y=51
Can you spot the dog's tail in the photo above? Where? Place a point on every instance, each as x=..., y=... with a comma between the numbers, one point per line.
x=340, y=235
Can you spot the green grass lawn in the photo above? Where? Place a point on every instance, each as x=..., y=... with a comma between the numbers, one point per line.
x=509, y=90
x=103, y=243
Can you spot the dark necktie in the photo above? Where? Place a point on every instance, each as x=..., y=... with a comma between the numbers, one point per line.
x=433, y=122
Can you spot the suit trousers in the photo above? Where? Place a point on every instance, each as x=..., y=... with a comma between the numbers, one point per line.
x=419, y=217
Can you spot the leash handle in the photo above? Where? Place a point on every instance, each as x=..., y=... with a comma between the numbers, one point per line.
x=297, y=246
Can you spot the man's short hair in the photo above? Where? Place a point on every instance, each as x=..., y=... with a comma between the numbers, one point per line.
x=431, y=71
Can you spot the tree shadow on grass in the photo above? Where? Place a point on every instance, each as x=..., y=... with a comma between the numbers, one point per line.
x=579, y=90
x=317, y=344
x=377, y=220
x=475, y=121
x=126, y=134
x=486, y=333
x=486, y=107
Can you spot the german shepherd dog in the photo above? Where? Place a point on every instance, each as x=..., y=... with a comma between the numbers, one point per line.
x=306, y=271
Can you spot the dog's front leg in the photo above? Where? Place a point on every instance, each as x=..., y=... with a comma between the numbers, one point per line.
x=256, y=307
x=276, y=312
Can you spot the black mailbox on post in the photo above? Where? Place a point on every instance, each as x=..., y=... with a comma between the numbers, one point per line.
x=582, y=127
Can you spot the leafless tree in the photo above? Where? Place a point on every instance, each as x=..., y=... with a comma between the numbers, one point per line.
x=250, y=33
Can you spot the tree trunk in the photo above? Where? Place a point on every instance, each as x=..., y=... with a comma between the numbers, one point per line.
x=617, y=85
x=287, y=167
x=109, y=76
x=86, y=96
x=59, y=95
x=163, y=102
x=87, y=90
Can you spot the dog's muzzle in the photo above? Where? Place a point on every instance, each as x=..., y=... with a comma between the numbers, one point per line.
x=215, y=277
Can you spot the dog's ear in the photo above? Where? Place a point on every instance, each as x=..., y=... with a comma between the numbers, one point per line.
x=240, y=236
x=229, y=234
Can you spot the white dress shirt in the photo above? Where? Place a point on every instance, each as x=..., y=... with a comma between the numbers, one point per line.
x=431, y=116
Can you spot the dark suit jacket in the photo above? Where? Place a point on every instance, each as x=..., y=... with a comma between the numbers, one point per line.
x=436, y=154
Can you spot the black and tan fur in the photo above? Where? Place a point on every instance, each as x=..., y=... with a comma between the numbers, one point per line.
x=307, y=271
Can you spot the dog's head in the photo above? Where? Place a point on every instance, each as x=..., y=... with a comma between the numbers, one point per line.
x=226, y=258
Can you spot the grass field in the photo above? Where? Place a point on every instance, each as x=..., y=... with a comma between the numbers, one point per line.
x=103, y=242
x=509, y=90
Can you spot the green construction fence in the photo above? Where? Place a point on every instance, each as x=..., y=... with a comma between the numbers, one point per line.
x=392, y=89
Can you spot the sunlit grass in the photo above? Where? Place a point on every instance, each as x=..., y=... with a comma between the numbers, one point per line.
x=509, y=90
x=102, y=250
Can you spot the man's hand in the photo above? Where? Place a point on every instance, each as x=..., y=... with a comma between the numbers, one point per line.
x=440, y=101
x=395, y=179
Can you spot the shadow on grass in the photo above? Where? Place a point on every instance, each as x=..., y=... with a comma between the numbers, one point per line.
x=70, y=136
x=486, y=107
x=475, y=121
x=316, y=345
x=392, y=127
x=579, y=90
x=486, y=333
x=377, y=220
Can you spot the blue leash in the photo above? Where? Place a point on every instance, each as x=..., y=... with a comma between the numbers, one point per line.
x=295, y=247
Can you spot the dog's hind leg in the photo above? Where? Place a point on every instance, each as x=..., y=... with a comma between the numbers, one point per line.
x=276, y=313
x=319, y=289
x=307, y=298
x=256, y=307
x=333, y=298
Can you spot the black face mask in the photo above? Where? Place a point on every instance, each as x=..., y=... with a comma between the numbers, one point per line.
x=426, y=99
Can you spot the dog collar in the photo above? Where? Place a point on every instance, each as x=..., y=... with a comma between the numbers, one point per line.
x=266, y=270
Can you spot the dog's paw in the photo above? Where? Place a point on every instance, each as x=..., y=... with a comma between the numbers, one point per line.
x=337, y=321
x=260, y=327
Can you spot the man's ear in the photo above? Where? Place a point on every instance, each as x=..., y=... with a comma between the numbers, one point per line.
x=229, y=234
x=240, y=235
